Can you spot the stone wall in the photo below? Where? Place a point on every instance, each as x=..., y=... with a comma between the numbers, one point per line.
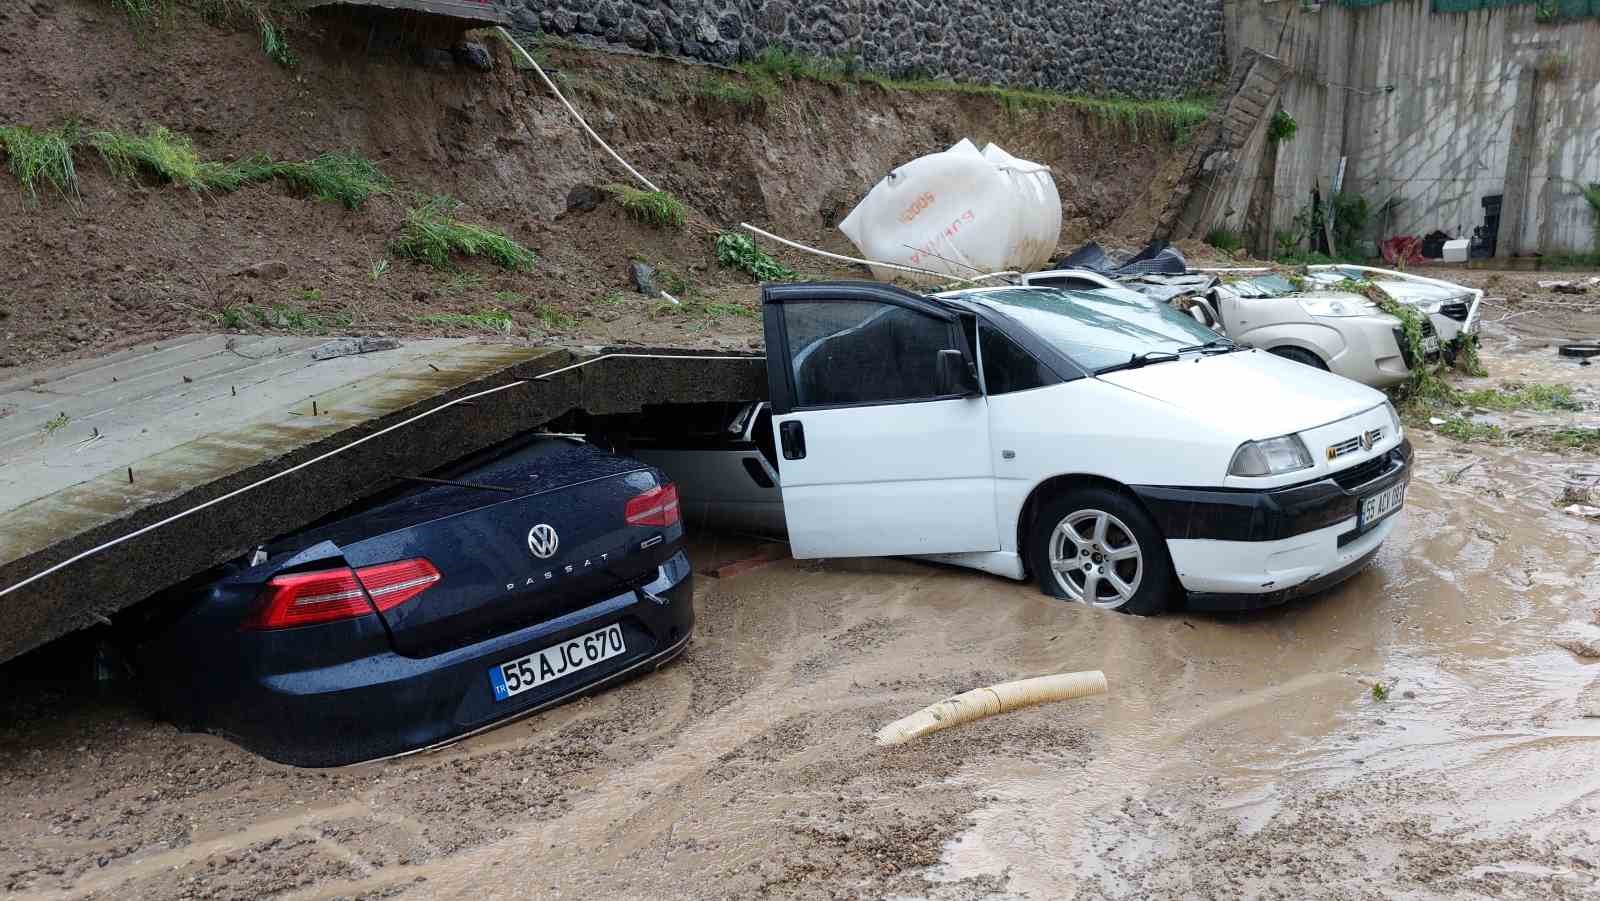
x=1157, y=48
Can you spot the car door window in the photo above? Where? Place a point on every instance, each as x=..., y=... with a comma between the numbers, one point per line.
x=1070, y=283
x=1007, y=367
x=863, y=352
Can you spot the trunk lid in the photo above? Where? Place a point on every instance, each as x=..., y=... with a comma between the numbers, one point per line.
x=495, y=576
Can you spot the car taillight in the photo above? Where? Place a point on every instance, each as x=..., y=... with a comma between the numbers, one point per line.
x=301, y=599
x=656, y=507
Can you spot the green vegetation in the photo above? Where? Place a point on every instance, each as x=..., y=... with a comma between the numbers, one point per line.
x=767, y=74
x=142, y=13
x=283, y=316
x=654, y=208
x=699, y=308
x=488, y=319
x=346, y=178
x=613, y=299
x=1515, y=396
x=726, y=90
x=56, y=424
x=553, y=318
x=380, y=268
x=276, y=45
x=433, y=236
x=172, y=158
x=738, y=251
x=34, y=156
x=1380, y=691
x=511, y=298
x=1585, y=440
x=1591, y=193
x=1282, y=127
x=1351, y=213
x=461, y=283
x=1225, y=239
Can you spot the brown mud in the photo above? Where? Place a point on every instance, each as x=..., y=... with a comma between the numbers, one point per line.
x=1235, y=756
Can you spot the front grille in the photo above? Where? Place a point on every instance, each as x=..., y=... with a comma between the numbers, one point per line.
x=1456, y=311
x=1428, y=330
x=1362, y=473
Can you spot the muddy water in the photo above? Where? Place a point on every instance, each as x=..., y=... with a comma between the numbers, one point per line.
x=1234, y=755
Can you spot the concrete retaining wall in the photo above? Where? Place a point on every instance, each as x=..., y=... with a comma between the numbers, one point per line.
x=1156, y=48
x=1435, y=111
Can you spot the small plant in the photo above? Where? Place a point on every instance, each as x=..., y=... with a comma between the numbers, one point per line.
x=1225, y=239
x=1465, y=430
x=461, y=283
x=1467, y=359
x=726, y=90
x=1380, y=691
x=142, y=12
x=738, y=251
x=347, y=178
x=236, y=318
x=276, y=45
x=56, y=424
x=35, y=156
x=654, y=208
x=310, y=295
x=553, y=317
x=432, y=235
x=511, y=298
x=380, y=268
x=1516, y=396
x=1282, y=127
x=613, y=299
x=171, y=157
x=283, y=316
x=488, y=319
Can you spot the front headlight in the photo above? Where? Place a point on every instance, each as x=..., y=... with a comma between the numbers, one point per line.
x=1394, y=419
x=1335, y=306
x=1272, y=457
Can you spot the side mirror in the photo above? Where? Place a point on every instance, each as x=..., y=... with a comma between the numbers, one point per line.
x=955, y=375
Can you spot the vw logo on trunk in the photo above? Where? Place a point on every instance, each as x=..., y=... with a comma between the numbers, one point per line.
x=543, y=541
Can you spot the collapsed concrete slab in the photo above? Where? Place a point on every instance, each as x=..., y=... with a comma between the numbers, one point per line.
x=124, y=476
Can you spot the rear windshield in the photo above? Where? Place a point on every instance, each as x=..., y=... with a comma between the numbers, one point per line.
x=1097, y=329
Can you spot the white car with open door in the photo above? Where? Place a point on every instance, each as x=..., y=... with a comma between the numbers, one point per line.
x=1119, y=451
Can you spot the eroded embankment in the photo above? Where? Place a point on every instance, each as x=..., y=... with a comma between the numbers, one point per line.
x=131, y=261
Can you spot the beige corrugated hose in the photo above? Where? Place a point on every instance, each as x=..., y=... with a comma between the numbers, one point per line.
x=982, y=702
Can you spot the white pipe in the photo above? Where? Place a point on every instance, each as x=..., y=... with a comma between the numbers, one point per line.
x=984, y=702
x=528, y=57
x=359, y=441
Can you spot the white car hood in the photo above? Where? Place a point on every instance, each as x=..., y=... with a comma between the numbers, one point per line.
x=1250, y=394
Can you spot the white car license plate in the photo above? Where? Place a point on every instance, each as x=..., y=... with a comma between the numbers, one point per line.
x=1377, y=506
x=1430, y=344
x=517, y=676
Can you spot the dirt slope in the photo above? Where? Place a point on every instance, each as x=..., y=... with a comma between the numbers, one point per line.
x=132, y=263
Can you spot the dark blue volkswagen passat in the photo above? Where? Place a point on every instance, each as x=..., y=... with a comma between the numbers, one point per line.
x=512, y=582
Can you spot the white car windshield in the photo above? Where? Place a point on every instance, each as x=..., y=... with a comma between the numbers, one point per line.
x=1097, y=329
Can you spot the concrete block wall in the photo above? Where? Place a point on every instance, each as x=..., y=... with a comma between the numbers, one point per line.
x=1149, y=49
x=1434, y=112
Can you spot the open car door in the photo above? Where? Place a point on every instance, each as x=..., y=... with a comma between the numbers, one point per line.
x=882, y=429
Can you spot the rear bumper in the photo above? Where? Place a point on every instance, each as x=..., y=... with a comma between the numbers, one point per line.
x=387, y=704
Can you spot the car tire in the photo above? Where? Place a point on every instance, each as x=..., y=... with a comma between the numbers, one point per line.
x=1106, y=523
x=1301, y=356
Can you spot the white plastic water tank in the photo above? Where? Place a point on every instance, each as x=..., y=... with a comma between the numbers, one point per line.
x=960, y=212
x=1456, y=251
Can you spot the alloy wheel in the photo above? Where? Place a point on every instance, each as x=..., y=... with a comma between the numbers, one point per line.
x=1095, y=559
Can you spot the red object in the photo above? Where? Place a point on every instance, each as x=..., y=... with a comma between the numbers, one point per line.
x=1403, y=249
x=656, y=507
x=302, y=599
